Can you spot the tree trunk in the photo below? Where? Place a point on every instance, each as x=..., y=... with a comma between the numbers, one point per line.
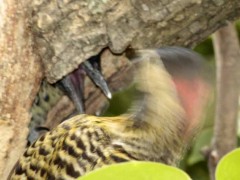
x=20, y=74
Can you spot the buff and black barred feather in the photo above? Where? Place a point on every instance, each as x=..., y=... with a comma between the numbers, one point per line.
x=46, y=98
x=152, y=130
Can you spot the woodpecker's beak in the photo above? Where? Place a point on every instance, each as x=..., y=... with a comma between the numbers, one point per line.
x=73, y=83
x=97, y=78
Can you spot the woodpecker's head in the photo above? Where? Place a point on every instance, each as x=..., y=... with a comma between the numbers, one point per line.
x=188, y=72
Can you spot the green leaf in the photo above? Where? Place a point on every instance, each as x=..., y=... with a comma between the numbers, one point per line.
x=137, y=171
x=202, y=140
x=228, y=167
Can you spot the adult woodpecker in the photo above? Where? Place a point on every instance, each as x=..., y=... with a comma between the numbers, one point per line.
x=156, y=128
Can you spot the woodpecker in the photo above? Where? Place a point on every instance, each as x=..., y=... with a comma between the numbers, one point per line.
x=157, y=127
x=73, y=86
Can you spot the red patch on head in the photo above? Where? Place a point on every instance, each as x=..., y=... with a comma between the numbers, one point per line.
x=192, y=94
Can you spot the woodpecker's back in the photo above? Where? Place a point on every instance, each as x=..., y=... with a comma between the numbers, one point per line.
x=152, y=130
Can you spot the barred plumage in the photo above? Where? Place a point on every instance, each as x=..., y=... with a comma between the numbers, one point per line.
x=153, y=130
x=46, y=98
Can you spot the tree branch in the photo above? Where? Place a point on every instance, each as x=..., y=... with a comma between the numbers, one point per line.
x=69, y=32
x=227, y=51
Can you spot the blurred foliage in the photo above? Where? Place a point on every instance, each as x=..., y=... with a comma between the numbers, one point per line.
x=137, y=171
x=205, y=48
x=238, y=28
x=120, y=102
x=194, y=162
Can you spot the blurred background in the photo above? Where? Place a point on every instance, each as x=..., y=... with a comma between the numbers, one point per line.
x=194, y=162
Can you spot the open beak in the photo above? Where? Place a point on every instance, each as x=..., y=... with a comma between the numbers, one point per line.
x=73, y=83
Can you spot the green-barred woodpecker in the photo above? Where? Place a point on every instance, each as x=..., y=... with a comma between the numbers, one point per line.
x=170, y=95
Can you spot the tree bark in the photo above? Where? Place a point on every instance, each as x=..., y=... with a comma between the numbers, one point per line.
x=69, y=32
x=20, y=74
x=65, y=33
x=227, y=53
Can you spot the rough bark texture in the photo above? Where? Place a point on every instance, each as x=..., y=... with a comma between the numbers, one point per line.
x=227, y=52
x=19, y=80
x=69, y=32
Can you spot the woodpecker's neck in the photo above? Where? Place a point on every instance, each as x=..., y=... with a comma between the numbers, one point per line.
x=155, y=123
x=157, y=127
